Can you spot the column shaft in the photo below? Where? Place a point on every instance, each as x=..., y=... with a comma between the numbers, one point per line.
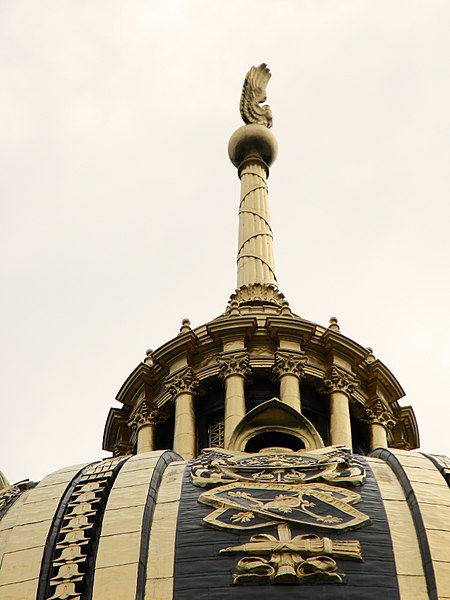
x=340, y=428
x=146, y=439
x=378, y=436
x=184, y=441
x=290, y=391
x=234, y=404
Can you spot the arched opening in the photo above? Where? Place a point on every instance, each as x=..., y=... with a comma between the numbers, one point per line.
x=273, y=439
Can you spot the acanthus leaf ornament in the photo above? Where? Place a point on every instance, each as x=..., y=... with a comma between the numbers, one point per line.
x=145, y=413
x=339, y=380
x=182, y=382
x=254, y=94
x=234, y=363
x=289, y=363
x=379, y=412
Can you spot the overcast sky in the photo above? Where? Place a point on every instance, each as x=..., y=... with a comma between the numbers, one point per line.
x=119, y=203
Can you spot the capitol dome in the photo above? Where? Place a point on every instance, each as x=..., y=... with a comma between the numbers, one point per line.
x=260, y=455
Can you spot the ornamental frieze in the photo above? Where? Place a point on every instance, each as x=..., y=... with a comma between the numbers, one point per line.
x=290, y=493
x=289, y=363
x=78, y=532
x=235, y=363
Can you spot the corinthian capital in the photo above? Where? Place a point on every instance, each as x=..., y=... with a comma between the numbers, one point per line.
x=289, y=363
x=183, y=382
x=380, y=413
x=339, y=381
x=145, y=413
x=236, y=363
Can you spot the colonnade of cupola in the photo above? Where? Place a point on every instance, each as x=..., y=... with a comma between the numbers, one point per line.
x=260, y=379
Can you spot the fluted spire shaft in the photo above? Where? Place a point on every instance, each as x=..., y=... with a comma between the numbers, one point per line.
x=255, y=263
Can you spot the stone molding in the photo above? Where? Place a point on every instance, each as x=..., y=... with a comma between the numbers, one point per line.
x=339, y=381
x=289, y=363
x=235, y=363
x=259, y=293
x=183, y=382
x=379, y=413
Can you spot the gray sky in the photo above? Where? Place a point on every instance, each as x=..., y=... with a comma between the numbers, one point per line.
x=119, y=203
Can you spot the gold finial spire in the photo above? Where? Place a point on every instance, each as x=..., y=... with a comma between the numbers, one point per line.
x=252, y=149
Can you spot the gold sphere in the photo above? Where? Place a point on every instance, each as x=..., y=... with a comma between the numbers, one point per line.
x=253, y=140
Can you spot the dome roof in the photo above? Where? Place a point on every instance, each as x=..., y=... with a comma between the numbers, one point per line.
x=155, y=526
x=291, y=461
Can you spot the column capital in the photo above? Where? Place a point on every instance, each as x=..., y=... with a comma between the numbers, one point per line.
x=289, y=363
x=122, y=448
x=377, y=411
x=234, y=363
x=338, y=380
x=182, y=382
x=144, y=413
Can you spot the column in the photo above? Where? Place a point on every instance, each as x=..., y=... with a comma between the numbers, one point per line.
x=289, y=369
x=234, y=369
x=182, y=386
x=381, y=419
x=339, y=385
x=143, y=419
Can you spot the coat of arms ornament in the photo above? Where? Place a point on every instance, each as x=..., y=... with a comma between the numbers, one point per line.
x=284, y=490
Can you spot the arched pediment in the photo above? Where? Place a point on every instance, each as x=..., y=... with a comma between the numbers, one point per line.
x=274, y=416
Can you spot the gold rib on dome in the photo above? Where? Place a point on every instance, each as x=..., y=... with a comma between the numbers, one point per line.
x=252, y=150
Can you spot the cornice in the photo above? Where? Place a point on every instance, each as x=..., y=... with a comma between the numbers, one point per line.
x=134, y=381
x=231, y=326
x=365, y=364
x=116, y=432
x=186, y=342
x=408, y=419
x=290, y=325
x=378, y=370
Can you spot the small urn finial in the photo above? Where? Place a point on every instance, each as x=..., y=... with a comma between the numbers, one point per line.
x=185, y=326
x=334, y=324
x=149, y=358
